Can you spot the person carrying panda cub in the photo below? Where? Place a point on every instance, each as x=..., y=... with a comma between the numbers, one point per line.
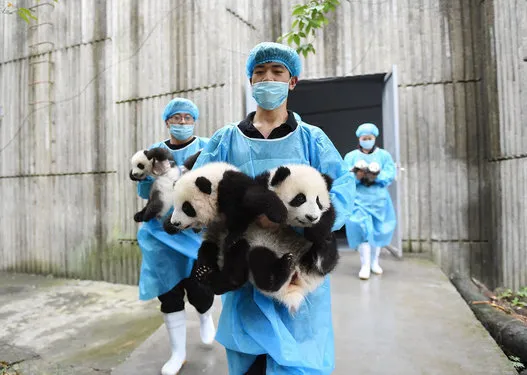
x=167, y=261
x=373, y=221
x=258, y=332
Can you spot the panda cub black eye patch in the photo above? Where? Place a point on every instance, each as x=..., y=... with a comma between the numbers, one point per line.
x=298, y=200
x=140, y=166
x=188, y=209
x=318, y=203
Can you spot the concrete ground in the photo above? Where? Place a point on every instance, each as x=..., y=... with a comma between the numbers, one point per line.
x=408, y=321
x=56, y=326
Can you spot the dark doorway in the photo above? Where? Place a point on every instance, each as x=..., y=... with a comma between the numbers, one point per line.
x=339, y=105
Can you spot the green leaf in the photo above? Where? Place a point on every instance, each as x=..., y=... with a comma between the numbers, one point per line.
x=297, y=39
x=298, y=10
x=26, y=14
x=23, y=16
x=290, y=39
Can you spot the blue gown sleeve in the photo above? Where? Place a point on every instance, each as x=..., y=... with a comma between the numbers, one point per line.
x=328, y=160
x=387, y=174
x=144, y=186
x=213, y=150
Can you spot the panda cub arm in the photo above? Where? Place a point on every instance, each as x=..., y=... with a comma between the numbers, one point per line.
x=242, y=199
x=323, y=255
x=225, y=274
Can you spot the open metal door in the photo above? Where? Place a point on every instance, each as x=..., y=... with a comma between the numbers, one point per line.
x=390, y=118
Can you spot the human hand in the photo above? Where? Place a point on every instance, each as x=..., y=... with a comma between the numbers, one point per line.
x=359, y=174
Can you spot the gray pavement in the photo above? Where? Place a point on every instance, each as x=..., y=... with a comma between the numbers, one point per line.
x=408, y=321
x=52, y=326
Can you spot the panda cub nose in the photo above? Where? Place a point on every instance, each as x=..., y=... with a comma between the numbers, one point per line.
x=177, y=223
x=311, y=218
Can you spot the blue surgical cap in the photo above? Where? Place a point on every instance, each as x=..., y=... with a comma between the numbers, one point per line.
x=367, y=129
x=180, y=105
x=274, y=52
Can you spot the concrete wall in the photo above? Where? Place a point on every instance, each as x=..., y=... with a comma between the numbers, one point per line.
x=113, y=65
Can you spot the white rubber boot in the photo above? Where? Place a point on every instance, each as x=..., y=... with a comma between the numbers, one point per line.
x=177, y=332
x=375, y=268
x=207, y=331
x=365, y=258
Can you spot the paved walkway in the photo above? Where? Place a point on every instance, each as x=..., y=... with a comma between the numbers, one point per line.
x=61, y=327
x=409, y=321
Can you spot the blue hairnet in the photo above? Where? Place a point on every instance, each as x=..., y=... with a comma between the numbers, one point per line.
x=274, y=52
x=366, y=129
x=180, y=105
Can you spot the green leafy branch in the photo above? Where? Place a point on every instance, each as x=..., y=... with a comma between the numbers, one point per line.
x=25, y=13
x=309, y=17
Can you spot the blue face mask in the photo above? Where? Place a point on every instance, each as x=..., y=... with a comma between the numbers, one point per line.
x=181, y=132
x=270, y=95
x=367, y=145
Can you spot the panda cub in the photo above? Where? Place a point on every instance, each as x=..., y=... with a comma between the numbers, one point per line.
x=219, y=192
x=305, y=192
x=159, y=163
x=371, y=171
x=279, y=262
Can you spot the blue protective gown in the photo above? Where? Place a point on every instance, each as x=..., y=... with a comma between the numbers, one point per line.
x=167, y=259
x=251, y=323
x=373, y=219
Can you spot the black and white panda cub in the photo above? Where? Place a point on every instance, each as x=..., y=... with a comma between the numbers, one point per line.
x=305, y=192
x=370, y=171
x=280, y=262
x=219, y=192
x=159, y=163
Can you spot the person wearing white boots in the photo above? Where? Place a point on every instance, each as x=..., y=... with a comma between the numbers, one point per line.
x=173, y=308
x=168, y=260
x=373, y=220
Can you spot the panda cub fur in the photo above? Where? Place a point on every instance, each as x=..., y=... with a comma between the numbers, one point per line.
x=219, y=192
x=305, y=192
x=279, y=262
x=371, y=171
x=159, y=163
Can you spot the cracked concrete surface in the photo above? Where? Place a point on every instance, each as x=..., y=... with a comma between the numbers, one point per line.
x=56, y=326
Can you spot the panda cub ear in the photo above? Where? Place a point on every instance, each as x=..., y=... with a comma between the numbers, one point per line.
x=329, y=181
x=263, y=178
x=146, y=154
x=204, y=185
x=280, y=175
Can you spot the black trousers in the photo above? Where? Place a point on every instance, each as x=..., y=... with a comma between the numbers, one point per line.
x=259, y=365
x=199, y=296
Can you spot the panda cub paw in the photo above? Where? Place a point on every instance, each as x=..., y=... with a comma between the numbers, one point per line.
x=202, y=273
x=138, y=217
